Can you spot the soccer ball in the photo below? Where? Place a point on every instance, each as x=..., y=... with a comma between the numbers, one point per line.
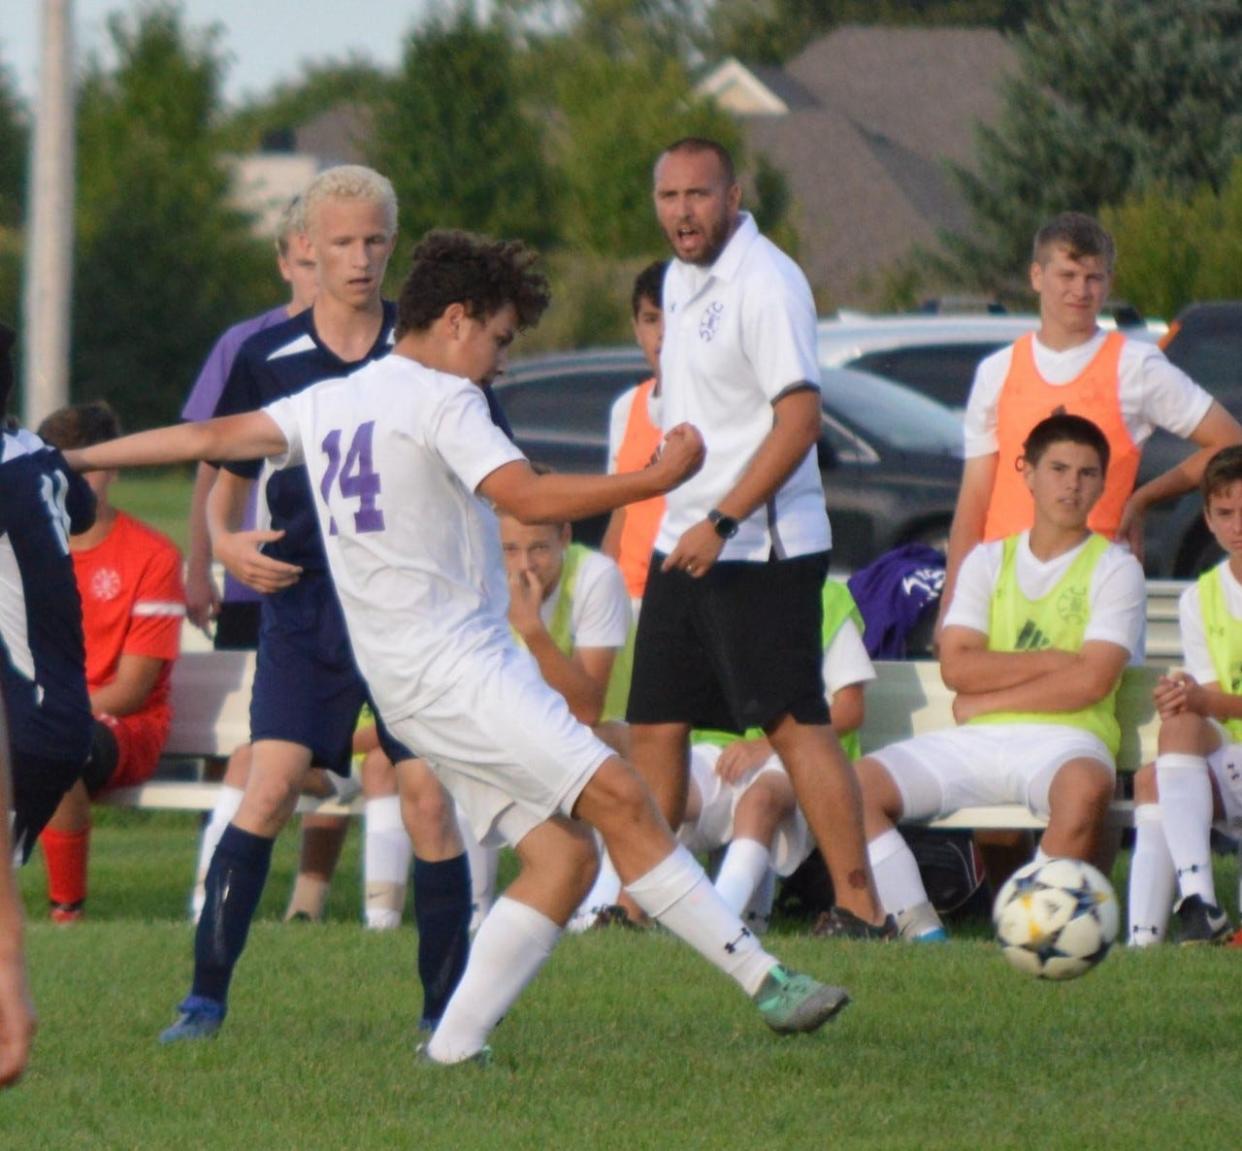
x=1056, y=919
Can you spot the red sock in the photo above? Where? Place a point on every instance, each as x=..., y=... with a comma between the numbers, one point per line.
x=64, y=853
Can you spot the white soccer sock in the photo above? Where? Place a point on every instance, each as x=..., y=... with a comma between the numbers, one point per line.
x=1186, y=812
x=483, y=862
x=227, y=803
x=1040, y=856
x=386, y=862
x=507, y=953
x=742, y=870
x=1153, y=878
x=897, y=879
x=677, y=894
x=603, y=894
x=757, y=914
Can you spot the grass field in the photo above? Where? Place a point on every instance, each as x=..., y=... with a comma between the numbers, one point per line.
x=624, y=1041
x=160, y=497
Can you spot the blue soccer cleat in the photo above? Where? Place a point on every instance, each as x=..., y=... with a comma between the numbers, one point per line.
x=200, y=1019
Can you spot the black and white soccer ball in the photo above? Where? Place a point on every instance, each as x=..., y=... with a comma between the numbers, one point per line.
x=1056, y=919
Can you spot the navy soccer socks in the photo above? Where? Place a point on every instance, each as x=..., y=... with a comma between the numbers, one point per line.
x=234, y=883
x=442, y=916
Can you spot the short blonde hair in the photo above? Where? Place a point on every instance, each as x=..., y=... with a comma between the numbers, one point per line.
x=292, y=221
x=350, y=182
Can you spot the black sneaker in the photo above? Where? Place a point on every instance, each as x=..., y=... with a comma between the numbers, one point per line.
x=837, y=923
x=1200, y=922
x=614, y=915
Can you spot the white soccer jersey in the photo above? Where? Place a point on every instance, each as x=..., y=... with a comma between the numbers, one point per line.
x=599, y=615
x=1196, y=654
x=1118, y=593
x=395, y=453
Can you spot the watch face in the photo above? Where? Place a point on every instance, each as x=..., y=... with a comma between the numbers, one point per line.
x=726, y=526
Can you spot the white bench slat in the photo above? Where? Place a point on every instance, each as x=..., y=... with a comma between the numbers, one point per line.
x=909, y=698
x=169, y=795
x=210, y=693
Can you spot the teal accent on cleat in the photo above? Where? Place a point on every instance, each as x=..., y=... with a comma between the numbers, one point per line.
x=200, y=1019
x=790, y=1002
x=934, y=935
x=481, y=1058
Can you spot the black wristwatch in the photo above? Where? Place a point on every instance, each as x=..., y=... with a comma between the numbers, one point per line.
x=726, y=526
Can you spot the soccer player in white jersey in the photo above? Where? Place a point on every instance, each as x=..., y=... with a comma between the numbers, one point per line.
x=405, y=462
x=1197, y=776
x=1034, y=644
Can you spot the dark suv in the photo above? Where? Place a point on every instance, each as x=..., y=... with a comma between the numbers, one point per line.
x=890, y=458
x=1205, y=341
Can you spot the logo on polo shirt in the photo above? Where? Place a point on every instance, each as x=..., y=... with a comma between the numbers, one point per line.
x=105, y=584
x=709, y=324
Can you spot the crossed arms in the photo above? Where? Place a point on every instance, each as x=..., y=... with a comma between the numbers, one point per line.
x=1025, y=681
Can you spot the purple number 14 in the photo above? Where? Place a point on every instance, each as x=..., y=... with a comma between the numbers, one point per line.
x=358, y=479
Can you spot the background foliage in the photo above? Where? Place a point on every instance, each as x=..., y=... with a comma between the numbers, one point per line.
x=541, y=118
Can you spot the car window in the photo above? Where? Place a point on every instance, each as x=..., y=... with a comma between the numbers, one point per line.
x=570, y=404
x=891, y=412
x=942, y=371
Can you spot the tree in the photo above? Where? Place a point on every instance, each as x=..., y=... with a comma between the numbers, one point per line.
x=1111, y=98
x=14, y=147
x=1175, y=249
x=455, y=139
x=610, y=112
x=163, y=262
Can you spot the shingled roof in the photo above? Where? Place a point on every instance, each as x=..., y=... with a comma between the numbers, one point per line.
x=865, y=145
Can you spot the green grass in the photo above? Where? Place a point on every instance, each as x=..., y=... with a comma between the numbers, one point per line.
x=624, y=1041
x=160, y=498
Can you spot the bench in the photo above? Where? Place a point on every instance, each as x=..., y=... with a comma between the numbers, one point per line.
x=909, y=698
x=211, y=716
x=211, y=708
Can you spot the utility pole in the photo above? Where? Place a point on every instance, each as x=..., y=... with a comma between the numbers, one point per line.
x=49, y=223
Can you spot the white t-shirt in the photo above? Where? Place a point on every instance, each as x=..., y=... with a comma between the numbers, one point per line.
x=599, y=615
x=846, y=660
x=1153, y=393
x=738, y=336
x=1117, y=597
x=1195, y=654
x=619, y=419
x=395, y=453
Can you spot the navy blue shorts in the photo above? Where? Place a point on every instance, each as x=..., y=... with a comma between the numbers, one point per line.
x=307, y=689
x=39, y=784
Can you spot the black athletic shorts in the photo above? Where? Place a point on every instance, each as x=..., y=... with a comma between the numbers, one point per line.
x=738, y=648
x=237, y=626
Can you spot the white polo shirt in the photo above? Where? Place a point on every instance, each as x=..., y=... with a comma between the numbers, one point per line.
x=737, y=336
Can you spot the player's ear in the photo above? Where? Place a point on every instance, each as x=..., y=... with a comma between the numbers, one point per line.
x=453, y=316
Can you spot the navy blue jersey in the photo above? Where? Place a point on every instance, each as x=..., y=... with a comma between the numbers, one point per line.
x=42, y=653
x=277, y=362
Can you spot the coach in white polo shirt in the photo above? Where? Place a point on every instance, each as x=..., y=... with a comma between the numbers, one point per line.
x=730, y=632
